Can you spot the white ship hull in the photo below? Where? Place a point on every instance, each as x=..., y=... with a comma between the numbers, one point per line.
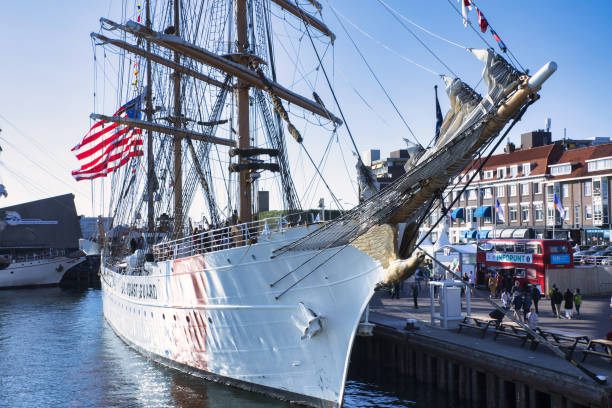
x=217, y=316
x=43, y=272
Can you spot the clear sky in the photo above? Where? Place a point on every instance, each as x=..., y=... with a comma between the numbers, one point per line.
x=47, y=77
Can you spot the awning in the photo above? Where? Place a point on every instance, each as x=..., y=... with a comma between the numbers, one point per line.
x=458, y=213
x=484, y=211
x=520, y=233
x=507, y=233
x=483, y=234
x=469, y=234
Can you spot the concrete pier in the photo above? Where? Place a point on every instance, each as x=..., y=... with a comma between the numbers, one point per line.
x=476, y=370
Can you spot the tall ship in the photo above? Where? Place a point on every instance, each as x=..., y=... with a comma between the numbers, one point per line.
x=272, y=304
x=39, y=242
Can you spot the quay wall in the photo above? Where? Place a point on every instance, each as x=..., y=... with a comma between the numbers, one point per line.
x=472, y=377
x=592, y=280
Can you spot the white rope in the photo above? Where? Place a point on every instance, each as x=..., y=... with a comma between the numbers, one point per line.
x=403, y=17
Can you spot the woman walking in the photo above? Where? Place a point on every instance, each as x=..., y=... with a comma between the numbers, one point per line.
x=568, y=297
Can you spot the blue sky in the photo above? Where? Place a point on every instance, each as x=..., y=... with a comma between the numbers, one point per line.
x=47, y=79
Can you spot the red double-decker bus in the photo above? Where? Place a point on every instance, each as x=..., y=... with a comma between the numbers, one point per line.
x=523, y=260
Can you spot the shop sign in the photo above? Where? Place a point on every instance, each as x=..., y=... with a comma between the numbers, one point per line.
x=509, y=257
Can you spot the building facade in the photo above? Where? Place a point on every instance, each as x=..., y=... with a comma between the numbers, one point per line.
x=524, y=183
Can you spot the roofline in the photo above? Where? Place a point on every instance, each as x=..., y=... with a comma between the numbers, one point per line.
x=599, y=158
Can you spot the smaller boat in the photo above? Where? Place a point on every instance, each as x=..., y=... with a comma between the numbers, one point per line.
x=39, y=242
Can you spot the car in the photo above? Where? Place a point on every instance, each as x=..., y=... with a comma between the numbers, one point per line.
x=581, y=255
x=597, y=257
x=607, y=261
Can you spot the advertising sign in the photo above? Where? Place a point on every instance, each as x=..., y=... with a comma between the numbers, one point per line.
x=509, y=257
x=559, y=259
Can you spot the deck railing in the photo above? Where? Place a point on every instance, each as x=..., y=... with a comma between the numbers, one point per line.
x=226, y=237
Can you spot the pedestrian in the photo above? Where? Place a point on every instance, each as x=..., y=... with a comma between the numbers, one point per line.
x=395, y=290
x=517, y=303
x=576, y=248
x=499, y=278
x=415, y=293
x=526, y=305
x=516, y=288
x=568, y=296
x=472, y=281
x=577, y=301
x=551, y=295
x=505, y=298
x=492, y=285
x=535, y=296
x=532, y=318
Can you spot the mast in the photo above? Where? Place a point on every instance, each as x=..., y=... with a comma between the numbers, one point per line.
x=178, y=140
x=242, y=101
x=149, y=112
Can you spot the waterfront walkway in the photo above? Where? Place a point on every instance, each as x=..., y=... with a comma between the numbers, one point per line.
x=595, y=321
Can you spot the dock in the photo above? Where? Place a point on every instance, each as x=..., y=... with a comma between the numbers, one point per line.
x=477, y=369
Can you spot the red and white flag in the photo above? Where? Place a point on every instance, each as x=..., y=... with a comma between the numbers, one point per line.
x=465, y=5
x=482, y=21
x=108, y=145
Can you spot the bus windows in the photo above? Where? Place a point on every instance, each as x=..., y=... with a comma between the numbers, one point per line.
x=519, y=248
x=500, y=248
x=533, y=249
x=519, y=272
x=558, y=249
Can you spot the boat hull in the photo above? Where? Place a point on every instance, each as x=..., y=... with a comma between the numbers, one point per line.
x=216, y=315
x=44, y=272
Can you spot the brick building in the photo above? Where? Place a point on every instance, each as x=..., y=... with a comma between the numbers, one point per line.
x=524, y=181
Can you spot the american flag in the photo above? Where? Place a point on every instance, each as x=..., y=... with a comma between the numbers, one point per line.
x=108, y=145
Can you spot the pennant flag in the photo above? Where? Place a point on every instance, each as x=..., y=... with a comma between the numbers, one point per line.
x=108, y=145
x=438, y=115
x=482, y=21
x=501, y=44
x=465, y=4
x=499, y=210
x=559, y=207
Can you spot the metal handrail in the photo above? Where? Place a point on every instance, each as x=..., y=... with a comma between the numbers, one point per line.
x=225, y=237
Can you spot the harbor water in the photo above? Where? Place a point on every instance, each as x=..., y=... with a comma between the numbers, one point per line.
x=57, y=350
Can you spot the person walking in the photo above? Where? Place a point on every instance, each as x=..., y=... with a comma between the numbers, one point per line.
x=551, y=296
x=532, y=318
x=568, y=297
x=526, y=305
x=505, y=298
x=577, y=301
x=492, y=285
x=535, y=296
x=517, y=303
x=415, y=293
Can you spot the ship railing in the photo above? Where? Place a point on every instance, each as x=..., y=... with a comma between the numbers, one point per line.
x=227, y=237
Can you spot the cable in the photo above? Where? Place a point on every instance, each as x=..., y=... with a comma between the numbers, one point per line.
x=375, y=77
x=419, y=40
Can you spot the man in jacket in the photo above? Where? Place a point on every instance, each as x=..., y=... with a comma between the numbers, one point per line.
x=568, y=297
x=535, y=296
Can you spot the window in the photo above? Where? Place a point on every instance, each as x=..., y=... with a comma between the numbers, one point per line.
x=587, y=188
x=469, y=214
x=471, y=194
x=512, y=190
x=550, y=214
x=526, y=169
x=488, y=192
x=525, y=189
x=525, y=212
x=514, y=171
x=501, y=173
x=577, y=215
x=561, y=169
x=513, y=213
x=538, y=212
x=600, y=164
x=596, y=187
x=550, y=193
x=533, y=249
x=558, y=249
x=588, y=212
x=500, y=191
x=597, y=213
x=537, y=188
x=488, y=174
x=565, y=190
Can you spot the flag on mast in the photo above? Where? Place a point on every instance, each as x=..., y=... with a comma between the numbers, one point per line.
x=465, y=4
x=108, y=145
x=559, y=207
x=499, y=210
x=482, y=21
x=438, y=115
x=501, y=44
